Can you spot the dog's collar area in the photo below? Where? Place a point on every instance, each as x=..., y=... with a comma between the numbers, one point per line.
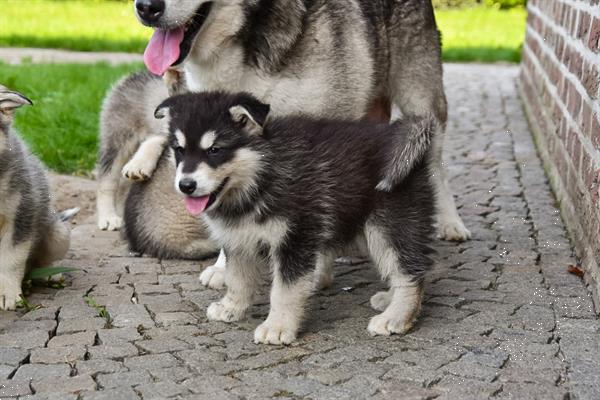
x=192, y=28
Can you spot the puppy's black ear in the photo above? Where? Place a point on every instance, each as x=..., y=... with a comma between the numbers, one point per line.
x=11, y=100
x=162, y=109
x=252, y=114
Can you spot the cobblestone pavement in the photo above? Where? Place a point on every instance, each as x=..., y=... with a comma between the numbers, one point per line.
x=502, y=317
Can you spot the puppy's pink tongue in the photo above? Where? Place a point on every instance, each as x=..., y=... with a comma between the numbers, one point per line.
x=195, y=205
x=163, y=50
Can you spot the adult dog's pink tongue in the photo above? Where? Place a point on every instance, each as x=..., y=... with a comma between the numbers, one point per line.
x=163, y=50
x=195, y=205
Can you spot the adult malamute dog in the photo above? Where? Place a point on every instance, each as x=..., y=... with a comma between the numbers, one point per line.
x=325, y=58
x=31, y=234
x=288, y=193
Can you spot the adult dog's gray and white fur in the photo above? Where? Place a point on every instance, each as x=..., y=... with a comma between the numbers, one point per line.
x=31, y=233
x=285, y=194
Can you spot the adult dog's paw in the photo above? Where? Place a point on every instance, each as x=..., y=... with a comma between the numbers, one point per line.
x=10, y=294
x=213, y=277
x=270, y=332
x=225, y=311
x=138, y=169
x=385, y=325
x=110, y=223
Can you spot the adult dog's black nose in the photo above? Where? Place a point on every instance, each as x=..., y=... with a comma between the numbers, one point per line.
x=187, y=186
x=150, y=10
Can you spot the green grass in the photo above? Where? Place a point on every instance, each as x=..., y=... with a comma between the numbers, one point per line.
x=472, y=34
x=78, y=25
x=482, y=34
x=62, y=126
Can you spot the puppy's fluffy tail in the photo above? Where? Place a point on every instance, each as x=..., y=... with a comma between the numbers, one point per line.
x=414, y=139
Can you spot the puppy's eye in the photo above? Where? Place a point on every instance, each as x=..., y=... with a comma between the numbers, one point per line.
x=243, y=120
x=211, y=151
x=179, y=150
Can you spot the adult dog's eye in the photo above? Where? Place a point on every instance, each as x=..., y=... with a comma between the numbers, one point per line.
x=211, y=151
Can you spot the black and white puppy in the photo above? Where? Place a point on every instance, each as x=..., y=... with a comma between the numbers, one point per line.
x=288, y=193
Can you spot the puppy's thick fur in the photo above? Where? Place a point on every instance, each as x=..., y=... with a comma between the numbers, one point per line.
x=286, y=194
x=31, y=234
x=336, y=58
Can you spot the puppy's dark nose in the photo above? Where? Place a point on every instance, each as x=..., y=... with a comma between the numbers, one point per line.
x=187, y=186
x=150, y=10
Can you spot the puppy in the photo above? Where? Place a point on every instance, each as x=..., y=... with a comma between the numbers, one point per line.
x=286, y=194
x=31, y=233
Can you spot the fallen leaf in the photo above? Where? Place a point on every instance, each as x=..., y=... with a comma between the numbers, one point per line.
x=575, y=270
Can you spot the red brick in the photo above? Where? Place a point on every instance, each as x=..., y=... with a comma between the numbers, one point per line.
x=591, y=80
x=594, y=39
x=585, y=20
x=574, y=104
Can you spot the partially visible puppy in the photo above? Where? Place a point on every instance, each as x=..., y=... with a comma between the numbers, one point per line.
x=31, y=233
x=286, y=194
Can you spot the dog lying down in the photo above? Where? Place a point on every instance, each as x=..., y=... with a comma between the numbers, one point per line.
x=31, y=232
x=286, y=194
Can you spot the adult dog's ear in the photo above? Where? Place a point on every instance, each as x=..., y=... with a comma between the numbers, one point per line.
x=162, y=109
x=252, y=115
x=11, y=100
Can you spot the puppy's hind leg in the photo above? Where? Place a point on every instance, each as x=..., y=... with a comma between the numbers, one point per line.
x=324, y=270
x=106, y=199
x=402, y=303
x=55, y=245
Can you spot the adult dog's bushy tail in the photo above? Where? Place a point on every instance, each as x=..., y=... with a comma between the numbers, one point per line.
x=415, y=137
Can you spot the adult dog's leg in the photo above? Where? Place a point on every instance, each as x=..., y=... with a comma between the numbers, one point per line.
x=144, y=161
x=416, y=87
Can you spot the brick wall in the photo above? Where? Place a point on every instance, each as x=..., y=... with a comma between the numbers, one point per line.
x=560, y=79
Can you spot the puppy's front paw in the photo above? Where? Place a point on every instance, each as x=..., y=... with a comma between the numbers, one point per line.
x=110, y=223
x=138, y=169
x=213, y=277
x=453, y=229
x=225, y=311
x=270, y=332
x=10, y=294
x=385, y=325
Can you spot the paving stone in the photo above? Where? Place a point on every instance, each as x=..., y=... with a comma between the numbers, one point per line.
x=24, y=340
x=124, y=393
x=72, y=385
x=162, y=345
x=37, y=371
x=75, y=339
x=12, y=356
x=175, y=318
x=18, y=327
x=57, y=355
x=151, y=361
x=161, y=390
x=14, y=388
x=80, y=325
x=118, y=335
x=116, y=352
x=123, y=379
x=7, y=370
x=99, y=365
x=130, y=316
x=41, y=314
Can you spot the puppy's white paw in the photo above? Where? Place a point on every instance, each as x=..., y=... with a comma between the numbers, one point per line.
x=213, y=277
x=270, y=332
x=110, y=223
x=323, y=280
x=384, y=325
x=225, y=311
x=381, y=300
x=10, y=293
x=453, y=230
x=139, y=169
